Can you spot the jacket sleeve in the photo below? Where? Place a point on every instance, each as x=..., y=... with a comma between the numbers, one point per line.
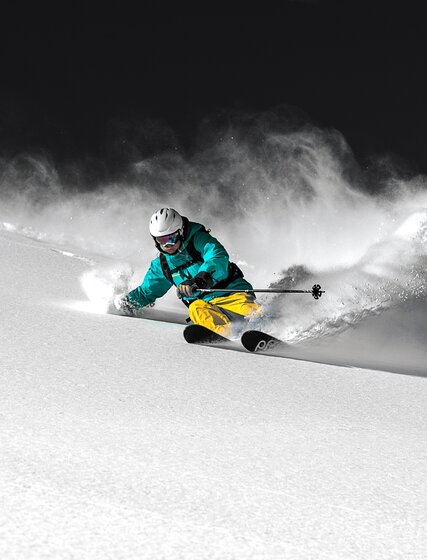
x=154, y=285
x=215, y=257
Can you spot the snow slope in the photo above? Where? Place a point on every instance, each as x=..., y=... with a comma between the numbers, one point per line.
x=119, y=440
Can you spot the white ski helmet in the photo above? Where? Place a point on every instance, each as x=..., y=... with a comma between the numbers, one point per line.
x=165, y=221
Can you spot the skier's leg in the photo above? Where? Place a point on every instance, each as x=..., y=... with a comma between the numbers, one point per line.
x=240, y=303
x=210, y=316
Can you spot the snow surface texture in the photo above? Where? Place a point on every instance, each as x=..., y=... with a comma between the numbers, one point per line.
x=119, y=440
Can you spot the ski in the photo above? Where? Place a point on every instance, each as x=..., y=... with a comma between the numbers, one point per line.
x=197, y=334
x=258, y=341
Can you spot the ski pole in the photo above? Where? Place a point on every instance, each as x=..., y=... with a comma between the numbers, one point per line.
x=315, y=291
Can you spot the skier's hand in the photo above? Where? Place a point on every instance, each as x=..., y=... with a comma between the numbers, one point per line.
x=122, y=304
x=187, y=288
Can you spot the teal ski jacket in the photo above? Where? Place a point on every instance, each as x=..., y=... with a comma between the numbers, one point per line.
x=214, y=264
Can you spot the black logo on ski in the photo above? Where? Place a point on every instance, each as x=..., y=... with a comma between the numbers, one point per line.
x=257, y=341
x=197, y=334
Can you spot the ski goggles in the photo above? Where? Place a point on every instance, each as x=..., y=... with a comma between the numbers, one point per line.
x=169, y=239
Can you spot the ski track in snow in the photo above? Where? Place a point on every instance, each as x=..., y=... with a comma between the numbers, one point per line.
x=119, y=440
x=73, y=256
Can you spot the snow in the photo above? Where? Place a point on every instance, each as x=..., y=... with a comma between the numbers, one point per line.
x=121, y=441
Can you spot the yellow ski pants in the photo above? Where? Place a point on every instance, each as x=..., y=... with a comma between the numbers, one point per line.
x=212, y=314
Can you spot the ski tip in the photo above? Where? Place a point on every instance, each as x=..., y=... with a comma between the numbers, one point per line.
x=258, y=341
x=190, y=333
x=197, y=334
x=248, y=335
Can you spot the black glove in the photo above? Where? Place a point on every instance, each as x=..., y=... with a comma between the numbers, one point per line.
x=199, y=282
x=123, y=305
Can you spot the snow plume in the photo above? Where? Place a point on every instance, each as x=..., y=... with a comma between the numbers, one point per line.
x=390, y=275
x=281, y=194
x=108, y=220
x=101, y=284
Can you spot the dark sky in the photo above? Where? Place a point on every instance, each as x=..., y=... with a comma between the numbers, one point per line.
x=64, y=88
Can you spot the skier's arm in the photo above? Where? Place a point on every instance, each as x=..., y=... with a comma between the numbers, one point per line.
x=215, y=258
x=154, y=286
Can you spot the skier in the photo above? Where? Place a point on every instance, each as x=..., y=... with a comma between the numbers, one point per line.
x=192, y=259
